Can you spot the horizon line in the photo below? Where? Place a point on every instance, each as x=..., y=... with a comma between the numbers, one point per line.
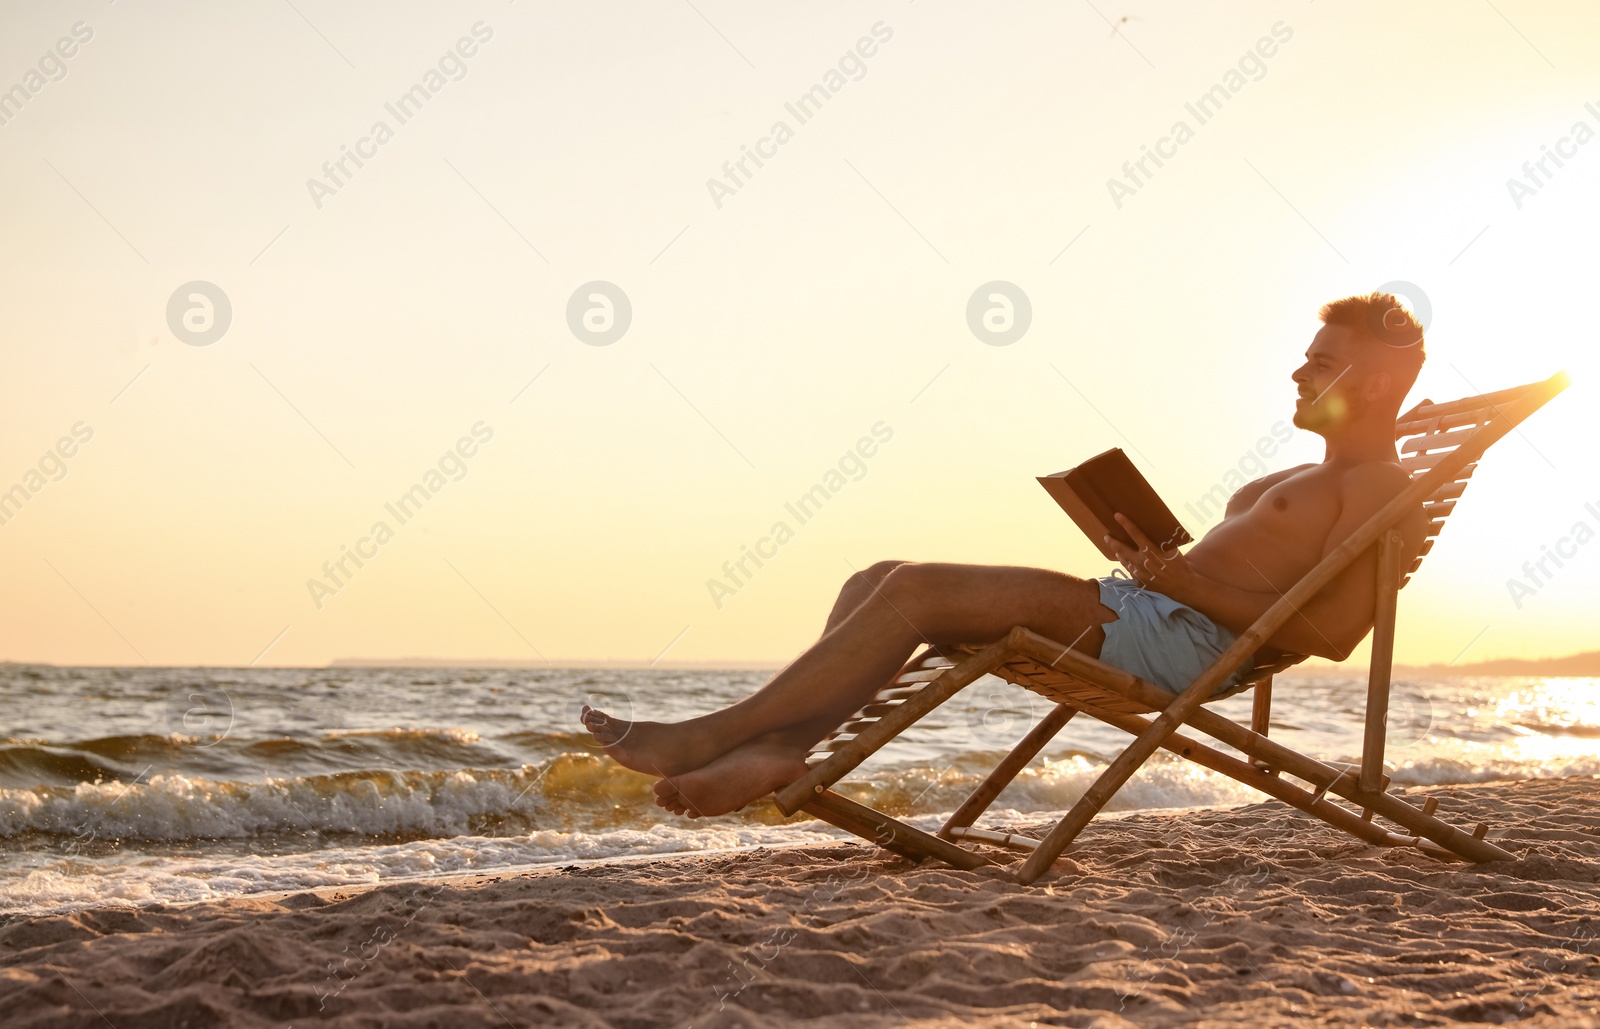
x=635, y=664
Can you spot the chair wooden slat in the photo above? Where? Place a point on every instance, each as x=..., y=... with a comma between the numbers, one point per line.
x=1444, y=440
x=1422, y=462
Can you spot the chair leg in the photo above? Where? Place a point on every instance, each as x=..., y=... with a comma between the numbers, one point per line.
x=1379, y=672
x=1261, y=707
x=1474, y=848
x=1241, y=770
x=889, y=833
x=1025, y=751
x=1261, y=717
x=852, y=752
x=1402, y=812
x=1097, y=795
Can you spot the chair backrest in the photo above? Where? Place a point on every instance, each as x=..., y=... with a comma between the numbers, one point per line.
x=1429, y=432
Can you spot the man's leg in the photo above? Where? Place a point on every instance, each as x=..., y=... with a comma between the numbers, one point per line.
x=777, y=758
x=912, y=604
x=857, y=588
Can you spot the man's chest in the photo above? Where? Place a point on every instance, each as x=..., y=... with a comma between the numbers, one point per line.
x=1302, y=507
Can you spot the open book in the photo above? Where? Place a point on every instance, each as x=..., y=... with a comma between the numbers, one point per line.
x=1104, y=485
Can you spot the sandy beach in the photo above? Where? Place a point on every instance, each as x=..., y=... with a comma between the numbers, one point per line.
x=1250, y=915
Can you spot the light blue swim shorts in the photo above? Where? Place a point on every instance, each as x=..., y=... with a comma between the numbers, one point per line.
x=1161, y=640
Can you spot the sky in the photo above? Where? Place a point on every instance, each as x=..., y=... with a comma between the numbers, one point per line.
x=544, y=291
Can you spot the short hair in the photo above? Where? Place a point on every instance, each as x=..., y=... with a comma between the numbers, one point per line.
x=1381, y=317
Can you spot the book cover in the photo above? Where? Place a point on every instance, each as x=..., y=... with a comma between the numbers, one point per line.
x=1102, y=486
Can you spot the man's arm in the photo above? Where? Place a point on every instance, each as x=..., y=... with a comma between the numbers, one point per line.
x=1338, y=616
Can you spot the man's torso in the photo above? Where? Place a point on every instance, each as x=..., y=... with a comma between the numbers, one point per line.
x=1274, y=531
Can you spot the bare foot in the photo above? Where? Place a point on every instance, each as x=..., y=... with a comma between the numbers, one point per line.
x=654, y=748
x=731, y=781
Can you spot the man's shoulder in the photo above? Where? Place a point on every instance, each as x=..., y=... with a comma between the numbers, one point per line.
x=1366, y=487
x=1376, y=476
x=1273, y=478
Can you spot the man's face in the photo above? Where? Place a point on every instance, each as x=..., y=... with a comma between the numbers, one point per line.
x=1329, y=383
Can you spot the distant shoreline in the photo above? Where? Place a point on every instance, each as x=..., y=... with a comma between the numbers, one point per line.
x=1575, y=665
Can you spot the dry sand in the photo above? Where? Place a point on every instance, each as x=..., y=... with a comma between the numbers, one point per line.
x=1253, y=915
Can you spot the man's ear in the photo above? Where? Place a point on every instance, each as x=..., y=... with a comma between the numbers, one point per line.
x=1377, y=386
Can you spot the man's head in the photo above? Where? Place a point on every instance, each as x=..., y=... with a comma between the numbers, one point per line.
x=1361, y=364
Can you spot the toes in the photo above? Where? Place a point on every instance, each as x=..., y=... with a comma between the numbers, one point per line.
x=600, y=726
x=669, y=797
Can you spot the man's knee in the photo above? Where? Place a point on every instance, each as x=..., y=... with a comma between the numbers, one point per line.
x=903, y=582
x=872, y=577
x=879, y=570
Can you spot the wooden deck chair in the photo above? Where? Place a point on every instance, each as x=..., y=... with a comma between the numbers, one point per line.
x=1440, y=445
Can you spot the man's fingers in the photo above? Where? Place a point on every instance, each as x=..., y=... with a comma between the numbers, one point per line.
x=1133, y=530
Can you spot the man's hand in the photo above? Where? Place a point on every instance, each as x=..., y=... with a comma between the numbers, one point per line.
x=1167, y=571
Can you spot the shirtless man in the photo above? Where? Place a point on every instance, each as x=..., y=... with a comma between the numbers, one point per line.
x=1166, y=624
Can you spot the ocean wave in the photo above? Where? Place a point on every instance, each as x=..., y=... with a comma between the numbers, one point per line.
x=35, y=762
x=362, y=803
x=589, y=793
